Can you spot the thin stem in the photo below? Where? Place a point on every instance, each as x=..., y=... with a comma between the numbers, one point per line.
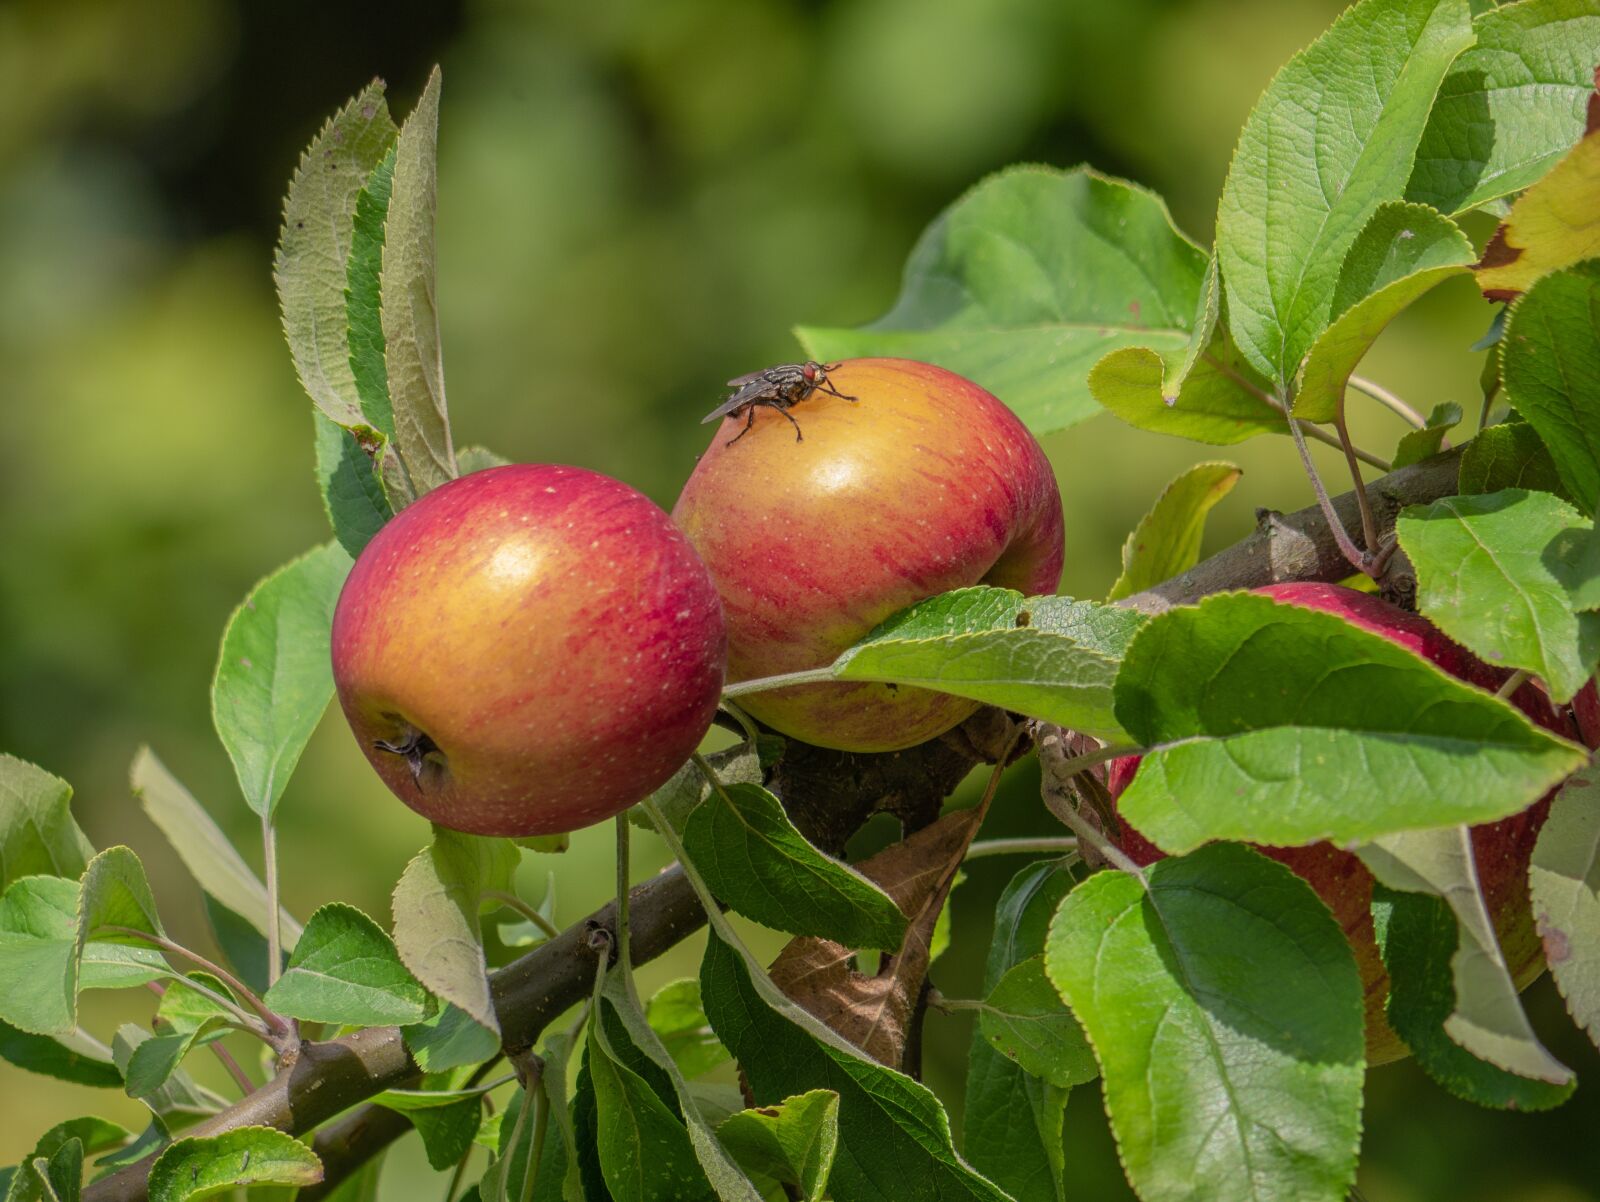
x=1347, y=548
x=624, y=882
x=1513, y=682
x=1488, y=406
x=1389, y=400
x=455, y=1177
x=784, y=680
x=1315, y=432
x=239, y=989
x=1018, y=847
x=1369, y=528
x=1087, y=833
x=269, y=854
x=1089, y=759
x=512, y=902
x=241, y=1078
x=743, y=719
x=993, y=787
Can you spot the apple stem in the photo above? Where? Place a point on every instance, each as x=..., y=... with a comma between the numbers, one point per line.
x=783, y=680
x=743, y=719
x=1347, y=547
x=269, y=855
x=1010, y=847
x=1512, y=683
x=1388, y=400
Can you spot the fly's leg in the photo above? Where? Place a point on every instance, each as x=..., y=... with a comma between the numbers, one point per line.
x=750, y=417
x=829, y=388
x=798, y=437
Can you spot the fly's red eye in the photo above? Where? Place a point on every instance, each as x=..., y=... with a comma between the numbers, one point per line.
x=809, y=372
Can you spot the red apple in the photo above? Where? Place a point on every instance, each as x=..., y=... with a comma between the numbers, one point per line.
x=528, y=649
x=1502, y=849
x=922, y=484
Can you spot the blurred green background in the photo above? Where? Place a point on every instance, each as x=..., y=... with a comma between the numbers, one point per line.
x=638, y=199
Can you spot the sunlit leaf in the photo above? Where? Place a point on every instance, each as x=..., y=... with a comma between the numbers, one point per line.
x=246, y=1156
x=1167, y=539
x=345, y=970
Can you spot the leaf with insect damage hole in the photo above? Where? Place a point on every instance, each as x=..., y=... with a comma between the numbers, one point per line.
x=1167, y=539
x=1224, y=1006
x=201, y=1166
x=1028, y=280
x=875, y=1012
x=412, y=354
x=274, y=677
x=313, y=249
x=352, y=494
x=1564, y=879
x=1498, y=572
x=1511, y=105
x=1331, y=140
x=1487, y=1019
x=1048, y=657
x=1282, y=725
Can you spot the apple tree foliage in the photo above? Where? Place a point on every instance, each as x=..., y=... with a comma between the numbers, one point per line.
x=1212, y=991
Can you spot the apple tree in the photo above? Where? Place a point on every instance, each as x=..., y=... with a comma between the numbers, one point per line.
x=1324, y=797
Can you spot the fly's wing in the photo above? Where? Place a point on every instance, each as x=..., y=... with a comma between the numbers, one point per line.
x=755, y=387
x=749, y=377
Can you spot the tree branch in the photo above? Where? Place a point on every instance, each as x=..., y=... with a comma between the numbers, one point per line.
x=326, y=1079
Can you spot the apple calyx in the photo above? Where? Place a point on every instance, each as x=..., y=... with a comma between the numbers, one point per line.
x=414, y=748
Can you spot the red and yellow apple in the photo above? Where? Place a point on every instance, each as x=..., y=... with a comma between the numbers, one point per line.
x=922, y=484
x=527, y=650
x=1502, y=849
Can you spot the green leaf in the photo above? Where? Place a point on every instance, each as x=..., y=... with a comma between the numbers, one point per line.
x=476, y=459
x=792, y=1143
x=1167, y=539
x=688, y=787
x=243, y=947
x=38, y=835
x=74, y=1057
x=644, y=1149
x=205, y=851
x=1494, y=572
x=114, y=892
x=1205, y=391
x=345, y=970
x=1402, y=252
x=362, y=296
x=1487, y=1019
x=1511, y=455
x=1418, y=936
x=1552, y=225
x=1014, y=1121
x=410, y=319
x=892, y=1130
x=1564, y=879
x=274, y=677
x=184, y=1018
x=1030, y=278
x=1552, y=372
x=1330, y=141
x=1221, y=977
x=447, y=1120
x=89, y=1133
x=450, y=1039
x=676, y=1015
x=1025, y=1021
x=318, y=217
x=1417, y=445
x=1284, y=725
x=60, y=1178
x=246, y=1156
x=753, y=859
x=179, y=1102
x=352, y=493
x=1511, y=106
x=437, y=904
x=1048, y=657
